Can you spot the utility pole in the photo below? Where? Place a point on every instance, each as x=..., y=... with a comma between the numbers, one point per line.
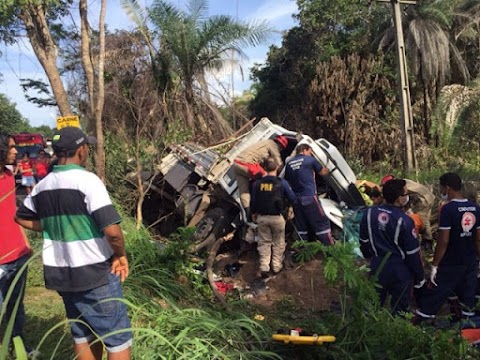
x=406, y=117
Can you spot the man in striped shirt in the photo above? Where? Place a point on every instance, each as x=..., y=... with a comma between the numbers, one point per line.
x=83, y=251
x=389, y=241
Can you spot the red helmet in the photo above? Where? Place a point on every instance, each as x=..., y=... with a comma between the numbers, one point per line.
x=386, y=179
x=282, y=140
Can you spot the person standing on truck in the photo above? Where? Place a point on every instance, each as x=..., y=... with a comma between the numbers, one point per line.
x=14, y=246
x=25, y=168
x=300, y=174
x=455, y=265
x=84, y=256
x=247, y=165
x=267, y=205
x=388, y=241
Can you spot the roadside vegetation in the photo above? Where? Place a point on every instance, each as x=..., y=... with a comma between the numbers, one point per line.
x=333, y=76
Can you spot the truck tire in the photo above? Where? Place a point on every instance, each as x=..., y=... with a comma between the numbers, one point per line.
x=212, y=226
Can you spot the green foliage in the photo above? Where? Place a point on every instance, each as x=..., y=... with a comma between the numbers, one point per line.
x=11, y=120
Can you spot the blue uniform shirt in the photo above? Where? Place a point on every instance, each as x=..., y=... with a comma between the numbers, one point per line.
x=387, y=229
x=461, y=217
x=300, y=173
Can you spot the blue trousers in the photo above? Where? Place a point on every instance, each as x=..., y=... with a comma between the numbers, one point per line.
x=7, y=275
x=395, y=279
x=309, y=215
x=453, y=281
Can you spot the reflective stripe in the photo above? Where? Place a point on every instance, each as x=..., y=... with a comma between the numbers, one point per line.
x=444, y=228
x=397, y=234
x=452, y=297
x=468, y=313
x=364, y=240
x=418, y=312
x=413, y=251
x=322, y=232
x=369, y=219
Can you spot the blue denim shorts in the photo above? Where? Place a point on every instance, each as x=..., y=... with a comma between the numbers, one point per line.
x=107, y=318
x=28, y=181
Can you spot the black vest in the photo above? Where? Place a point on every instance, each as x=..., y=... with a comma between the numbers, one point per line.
x=269, y=196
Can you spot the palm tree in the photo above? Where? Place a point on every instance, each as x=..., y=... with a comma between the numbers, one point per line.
x=430, y=48
x=191, y=43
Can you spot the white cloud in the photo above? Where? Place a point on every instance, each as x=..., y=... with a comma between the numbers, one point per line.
x=277, y=12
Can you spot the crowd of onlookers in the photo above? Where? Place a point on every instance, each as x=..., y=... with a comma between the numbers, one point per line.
x=32, y=170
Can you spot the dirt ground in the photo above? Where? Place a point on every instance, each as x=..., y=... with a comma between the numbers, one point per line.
x=303, y=284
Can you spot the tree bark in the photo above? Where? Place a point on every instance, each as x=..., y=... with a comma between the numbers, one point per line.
x=33, y=17
x=95, y=84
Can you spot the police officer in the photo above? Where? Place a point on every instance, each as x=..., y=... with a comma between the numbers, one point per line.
x=300, y=173
x=454, y=266
x=388, y=238
x=267, y=204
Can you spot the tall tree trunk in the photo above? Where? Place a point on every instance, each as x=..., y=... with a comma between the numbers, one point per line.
x=33, y=17
x=100, y=149
x=95, y=84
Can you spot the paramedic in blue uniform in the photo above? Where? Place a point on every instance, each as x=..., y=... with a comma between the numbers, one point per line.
x=455, y=265
x=389, y=241
x=309, y=215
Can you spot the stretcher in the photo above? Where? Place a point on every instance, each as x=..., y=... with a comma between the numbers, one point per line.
x=304, y=340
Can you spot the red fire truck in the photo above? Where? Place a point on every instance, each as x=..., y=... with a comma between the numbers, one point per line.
x=32, y=143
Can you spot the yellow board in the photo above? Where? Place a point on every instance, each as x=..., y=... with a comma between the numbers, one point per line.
x=64, y=121
x=304, y=340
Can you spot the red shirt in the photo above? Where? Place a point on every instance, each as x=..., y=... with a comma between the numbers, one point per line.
x=13, y=243
x=26, y=165
x=41, y=167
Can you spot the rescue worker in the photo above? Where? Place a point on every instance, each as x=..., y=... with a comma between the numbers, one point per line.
x=389, y=242
x=247, y=165
x=267, y=205
x=300, y=173
x=423, y=205
x=454, y=267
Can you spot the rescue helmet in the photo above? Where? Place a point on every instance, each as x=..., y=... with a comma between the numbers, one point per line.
x=282, y=140
x=386, y=179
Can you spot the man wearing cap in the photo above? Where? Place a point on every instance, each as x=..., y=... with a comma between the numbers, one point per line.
x=389, y=242
x=247, y=164
x=84, y=255
x=455, y=265
x=300, y=173
x=423, y=203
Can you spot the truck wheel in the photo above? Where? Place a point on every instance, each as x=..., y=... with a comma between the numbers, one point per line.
x=211, y=227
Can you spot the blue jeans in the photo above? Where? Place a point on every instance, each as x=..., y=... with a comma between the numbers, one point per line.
x=7, y=275
x=102, y=311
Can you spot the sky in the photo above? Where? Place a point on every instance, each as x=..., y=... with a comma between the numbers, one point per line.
x=19, y=62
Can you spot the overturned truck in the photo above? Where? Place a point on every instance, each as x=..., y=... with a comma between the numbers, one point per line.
x=196, y=186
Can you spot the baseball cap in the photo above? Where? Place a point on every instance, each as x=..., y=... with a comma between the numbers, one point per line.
x=282, y=140
x=69, y=139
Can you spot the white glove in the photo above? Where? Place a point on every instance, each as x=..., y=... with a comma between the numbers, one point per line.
x=420, y=284
x=433, y=275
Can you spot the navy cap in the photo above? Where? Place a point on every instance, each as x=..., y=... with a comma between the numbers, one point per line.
x=69, y=139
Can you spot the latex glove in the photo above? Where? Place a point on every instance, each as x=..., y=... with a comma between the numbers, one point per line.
x=420, y=284
x=433, y=275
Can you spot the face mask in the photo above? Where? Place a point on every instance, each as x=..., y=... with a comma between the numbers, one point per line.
x=444, y=197
x=407, y=199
